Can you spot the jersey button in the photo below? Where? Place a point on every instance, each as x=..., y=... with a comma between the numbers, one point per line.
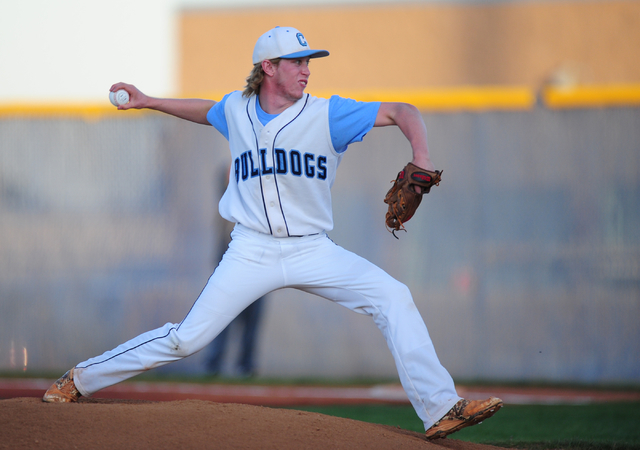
x=272, y=204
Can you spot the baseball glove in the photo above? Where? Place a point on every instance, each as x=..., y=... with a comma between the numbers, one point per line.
x=403, y=198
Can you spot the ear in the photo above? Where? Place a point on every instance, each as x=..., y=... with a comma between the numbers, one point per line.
x=268, y=67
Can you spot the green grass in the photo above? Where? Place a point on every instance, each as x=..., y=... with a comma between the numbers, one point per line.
x=607, y=426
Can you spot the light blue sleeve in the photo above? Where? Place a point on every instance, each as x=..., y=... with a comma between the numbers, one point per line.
x=217, y=117
x=350, y=120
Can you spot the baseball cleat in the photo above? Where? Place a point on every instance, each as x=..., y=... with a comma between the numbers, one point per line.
x=63, y=390
x=464, y=414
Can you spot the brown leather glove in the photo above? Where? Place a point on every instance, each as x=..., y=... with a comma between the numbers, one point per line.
x=405, y=195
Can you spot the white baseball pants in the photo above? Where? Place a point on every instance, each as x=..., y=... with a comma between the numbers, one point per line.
x=256, y=264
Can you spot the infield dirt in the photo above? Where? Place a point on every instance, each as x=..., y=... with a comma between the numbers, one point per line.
x=27, y=423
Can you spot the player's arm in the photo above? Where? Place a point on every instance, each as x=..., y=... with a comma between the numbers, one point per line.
x=409, y=120
x=194, y=110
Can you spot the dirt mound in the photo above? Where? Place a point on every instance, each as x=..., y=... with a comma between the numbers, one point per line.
x=194, y=424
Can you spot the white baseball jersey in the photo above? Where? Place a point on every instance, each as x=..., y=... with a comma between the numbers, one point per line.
x=282, y=172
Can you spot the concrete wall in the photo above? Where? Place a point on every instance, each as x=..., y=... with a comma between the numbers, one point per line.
x=525, y=262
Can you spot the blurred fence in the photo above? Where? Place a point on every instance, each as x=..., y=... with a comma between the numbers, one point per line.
x=525, y=262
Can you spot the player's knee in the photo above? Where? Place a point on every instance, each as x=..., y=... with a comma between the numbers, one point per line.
x=181, y=351
x=401, y=298
x=181, y=347
x=399, y=292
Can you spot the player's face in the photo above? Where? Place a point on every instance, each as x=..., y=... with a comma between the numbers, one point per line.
x=291, y=77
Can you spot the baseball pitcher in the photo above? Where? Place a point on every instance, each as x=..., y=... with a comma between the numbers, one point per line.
x=286, y=147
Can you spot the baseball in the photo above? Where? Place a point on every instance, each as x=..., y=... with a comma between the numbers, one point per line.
x=118, y=98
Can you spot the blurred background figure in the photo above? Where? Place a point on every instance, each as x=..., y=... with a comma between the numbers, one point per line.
x=244, y=365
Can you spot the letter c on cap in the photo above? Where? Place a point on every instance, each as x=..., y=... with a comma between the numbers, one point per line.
x=302, y=40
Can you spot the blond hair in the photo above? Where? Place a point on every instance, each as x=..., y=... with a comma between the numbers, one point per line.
x=255, y=78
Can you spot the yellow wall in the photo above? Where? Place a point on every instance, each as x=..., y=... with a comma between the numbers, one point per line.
x=396, y=48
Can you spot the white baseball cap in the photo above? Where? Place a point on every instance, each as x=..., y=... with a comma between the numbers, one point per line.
x=284, y=42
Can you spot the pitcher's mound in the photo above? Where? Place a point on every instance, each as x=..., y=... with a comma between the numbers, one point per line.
x=194, y=424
